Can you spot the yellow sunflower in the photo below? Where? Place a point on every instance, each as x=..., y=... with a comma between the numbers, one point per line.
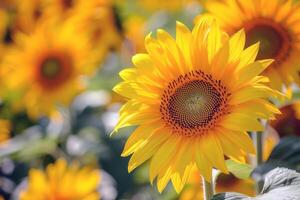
x=135, y=29
x=224, y=183
x=8, y=4
x=275, y=24
x=65, y=8
x=286, y=124
x=270, y=140
x=189, y=112
x=289, y=122
x=98, y=19
x=27, y=14
x=62, y=182
x=95, y=17
x=47, y=66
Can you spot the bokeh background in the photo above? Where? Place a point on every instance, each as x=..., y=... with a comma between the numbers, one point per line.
x=39, y=41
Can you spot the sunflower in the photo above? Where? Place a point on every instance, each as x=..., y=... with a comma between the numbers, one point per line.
x=275, y=24
x=47, y=66
x=188, y=112
x=288, y=123
x=95, y=17
x=224, y=183
x=5, y=128
x=28, y=14
x=65, y=8
x=98, y=19
x=270, y=140
x=135, y=29
x=61, y=181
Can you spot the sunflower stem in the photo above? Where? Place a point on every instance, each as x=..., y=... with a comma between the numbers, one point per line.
x=259, y=148
x=258, y=140
x=207, y=189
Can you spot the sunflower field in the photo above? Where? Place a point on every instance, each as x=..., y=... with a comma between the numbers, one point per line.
x=149, y=100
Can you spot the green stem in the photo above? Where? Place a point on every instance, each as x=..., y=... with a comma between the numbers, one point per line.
x=259, y=148
x=207, y=189
x=258, y=140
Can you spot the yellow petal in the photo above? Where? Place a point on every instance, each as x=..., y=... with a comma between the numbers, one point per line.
x=163, y=179
x=148, y=150
x=241, y=140
x=203, y=164
x=213, y=41
x=241, y=122
x=212, y=149
x=128, y=74
x=139, y=138
x=252, y=70
x=183, y=39
x=229, y=148
x=164, y=156
x=236, y=44
x=248, y=56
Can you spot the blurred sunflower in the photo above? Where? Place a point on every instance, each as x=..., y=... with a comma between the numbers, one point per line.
x=135, y=30
x=98, y=19
x=27, y=15
x=47, y=67
x=289, y=122
x=7, y=4
x=5, y=128
x=187, y=111
x=275, y=24
x=224, y=183
x=286, y=124
x=66, y=8
x=62, y=182
x=270, y=140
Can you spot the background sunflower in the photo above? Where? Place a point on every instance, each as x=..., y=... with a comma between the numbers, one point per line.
x=272, y=23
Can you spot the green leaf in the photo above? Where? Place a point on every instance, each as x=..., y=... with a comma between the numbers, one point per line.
x=36, y=149
x=239, y=170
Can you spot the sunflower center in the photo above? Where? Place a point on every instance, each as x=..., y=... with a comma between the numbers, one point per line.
x=51, y=68
x=274, y=40
x=53, y=71
x=67, y=3
x=193, y=103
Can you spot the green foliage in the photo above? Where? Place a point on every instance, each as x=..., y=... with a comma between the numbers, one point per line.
x=239, y=170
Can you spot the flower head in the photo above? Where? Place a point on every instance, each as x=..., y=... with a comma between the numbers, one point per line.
x=272, y=23
x=62, y=182
x=193, y=99
x=224, y=182
x=47, y=66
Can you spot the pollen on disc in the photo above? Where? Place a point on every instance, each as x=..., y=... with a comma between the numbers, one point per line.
x=192, y=103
